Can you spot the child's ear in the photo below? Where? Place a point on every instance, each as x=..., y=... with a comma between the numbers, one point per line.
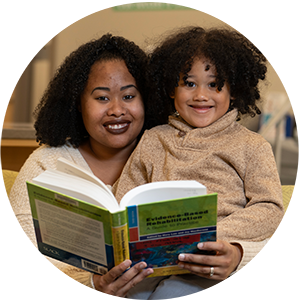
x=231, y=101
x=172, y=95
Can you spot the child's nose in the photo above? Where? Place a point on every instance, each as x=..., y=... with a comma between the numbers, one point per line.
x=201, y=94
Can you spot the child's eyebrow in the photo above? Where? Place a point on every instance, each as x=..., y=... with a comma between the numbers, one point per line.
x=192, y=76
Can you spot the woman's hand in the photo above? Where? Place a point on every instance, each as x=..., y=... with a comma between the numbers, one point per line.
x=226, y=260
x=118, y=284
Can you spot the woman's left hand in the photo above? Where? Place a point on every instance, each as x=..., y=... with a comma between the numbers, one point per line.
x=226, y=260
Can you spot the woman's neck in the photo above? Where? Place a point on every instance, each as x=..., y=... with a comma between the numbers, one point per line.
x=106, y=163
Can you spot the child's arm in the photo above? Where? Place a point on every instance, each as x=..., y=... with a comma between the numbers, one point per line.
x=248, y=228
x=264, y=209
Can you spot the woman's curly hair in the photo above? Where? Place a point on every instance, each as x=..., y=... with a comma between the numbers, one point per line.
x=57, y=116
x=236, y=60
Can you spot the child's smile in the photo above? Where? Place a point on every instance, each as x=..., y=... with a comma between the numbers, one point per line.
x=197, y=99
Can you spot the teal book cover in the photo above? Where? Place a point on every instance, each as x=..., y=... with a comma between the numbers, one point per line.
x=159, y=232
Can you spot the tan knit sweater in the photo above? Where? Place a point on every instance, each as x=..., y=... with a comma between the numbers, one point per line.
x=45, y=157
x=225, y=157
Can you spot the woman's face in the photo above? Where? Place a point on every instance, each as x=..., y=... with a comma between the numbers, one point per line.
x=111, y=106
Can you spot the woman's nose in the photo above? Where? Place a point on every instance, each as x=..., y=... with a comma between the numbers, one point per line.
x=116, y=108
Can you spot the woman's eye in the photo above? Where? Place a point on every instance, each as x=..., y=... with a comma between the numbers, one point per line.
x=128, y=97
x=102, y=98
x=213, y=85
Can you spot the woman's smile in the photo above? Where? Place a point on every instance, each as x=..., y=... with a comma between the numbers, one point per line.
x=117, y=127
x=111, y=106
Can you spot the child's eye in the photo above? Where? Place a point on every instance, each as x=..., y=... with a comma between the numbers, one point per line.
x=189, y=84
x=213, y=85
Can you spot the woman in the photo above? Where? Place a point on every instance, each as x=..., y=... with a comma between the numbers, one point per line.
x=92, y=113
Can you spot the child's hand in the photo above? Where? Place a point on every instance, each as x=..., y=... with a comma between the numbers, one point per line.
x=118, y=284
x=223, y=263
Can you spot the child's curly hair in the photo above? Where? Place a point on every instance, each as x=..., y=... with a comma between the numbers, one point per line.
x=236, y=60
x=57, y=116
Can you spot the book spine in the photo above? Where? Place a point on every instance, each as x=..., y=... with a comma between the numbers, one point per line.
x=120, y=237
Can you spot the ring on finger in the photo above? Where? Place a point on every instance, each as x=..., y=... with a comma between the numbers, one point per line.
x=212, y=270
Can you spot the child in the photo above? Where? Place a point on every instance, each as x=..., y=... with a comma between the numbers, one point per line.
x=207, y=79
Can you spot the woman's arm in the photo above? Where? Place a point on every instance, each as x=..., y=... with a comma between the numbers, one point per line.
x=35, y=165
x=18, y=195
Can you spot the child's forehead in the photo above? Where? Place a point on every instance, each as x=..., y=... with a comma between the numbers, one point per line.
x=203, y=62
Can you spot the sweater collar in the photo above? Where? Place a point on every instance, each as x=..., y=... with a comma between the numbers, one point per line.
x=219, y=125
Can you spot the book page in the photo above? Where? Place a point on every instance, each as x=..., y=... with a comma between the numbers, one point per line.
x=68, y=167
x=76, y=187
x=71, y=232
x=161, y=191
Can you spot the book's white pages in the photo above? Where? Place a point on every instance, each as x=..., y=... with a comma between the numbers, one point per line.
x=68, y=167
x=162, y=190
x=76, y=187
x=72, y=180
x=146, y=193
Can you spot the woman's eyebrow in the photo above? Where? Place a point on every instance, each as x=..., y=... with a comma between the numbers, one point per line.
x=127, y=87
x=100, y=88
x=108, y=89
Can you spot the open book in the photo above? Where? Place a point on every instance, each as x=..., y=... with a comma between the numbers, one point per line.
x=78, y=221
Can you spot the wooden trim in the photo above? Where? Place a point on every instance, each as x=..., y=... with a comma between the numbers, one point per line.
x=18, y=143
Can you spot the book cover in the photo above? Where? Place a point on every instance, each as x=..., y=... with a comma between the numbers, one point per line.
x=72, y=231
x=159, y=232
x=78, y=220
x=94, y=239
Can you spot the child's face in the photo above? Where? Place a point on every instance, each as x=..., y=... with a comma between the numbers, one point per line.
x=197, y=99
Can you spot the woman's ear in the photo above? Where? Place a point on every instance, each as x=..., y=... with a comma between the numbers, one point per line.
x=172, y=95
